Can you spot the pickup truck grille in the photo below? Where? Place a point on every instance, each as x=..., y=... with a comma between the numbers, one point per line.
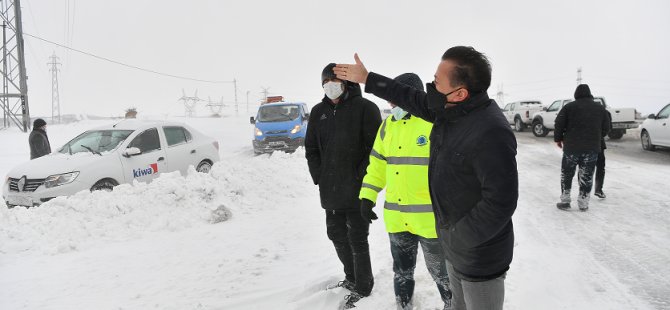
x=30, y=186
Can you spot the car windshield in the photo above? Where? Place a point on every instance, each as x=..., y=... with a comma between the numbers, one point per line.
x=278, y=113
x=97, y=142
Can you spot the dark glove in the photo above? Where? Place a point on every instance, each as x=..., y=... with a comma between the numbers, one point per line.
x=366, y=210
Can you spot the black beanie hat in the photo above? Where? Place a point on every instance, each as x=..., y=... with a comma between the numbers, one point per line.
x=328, y=73
x=38, y=123
x=410, y=79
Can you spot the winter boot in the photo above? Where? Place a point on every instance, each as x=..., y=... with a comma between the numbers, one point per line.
x=600, y=194
x=346, y=284
x=401, y=305
x=351, y=300
x=583, y=202
x=565, y=200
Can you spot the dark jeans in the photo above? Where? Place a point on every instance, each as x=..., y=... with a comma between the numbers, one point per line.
x=349, y=233
x=587, y=164
x=404, y=247
x=476, y=295
x=600, y=171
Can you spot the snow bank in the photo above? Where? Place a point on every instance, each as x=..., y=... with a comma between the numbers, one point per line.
x=170, y=203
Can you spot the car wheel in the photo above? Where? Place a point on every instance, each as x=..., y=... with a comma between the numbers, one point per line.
x=518, y=125
x=204, y=167
x=539, y=130
x=646, y=141
x=104, y=185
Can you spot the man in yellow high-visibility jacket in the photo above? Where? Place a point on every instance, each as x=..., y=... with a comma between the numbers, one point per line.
x=399, y=162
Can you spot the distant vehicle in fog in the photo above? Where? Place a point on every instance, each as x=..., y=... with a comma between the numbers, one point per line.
x=656, y=130
x=102, y=158
x=519, y=113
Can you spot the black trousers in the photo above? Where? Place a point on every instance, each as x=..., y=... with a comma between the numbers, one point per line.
x=349, y=233
x=587, y=164
x=600, y=171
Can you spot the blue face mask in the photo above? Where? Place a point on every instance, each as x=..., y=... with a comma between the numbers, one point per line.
x=398, y=113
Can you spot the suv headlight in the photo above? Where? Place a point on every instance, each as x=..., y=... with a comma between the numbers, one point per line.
x=296, y=129
x=258, y=132
x=60, y=179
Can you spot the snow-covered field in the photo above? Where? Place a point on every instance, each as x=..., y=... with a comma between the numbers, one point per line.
x=251, y=235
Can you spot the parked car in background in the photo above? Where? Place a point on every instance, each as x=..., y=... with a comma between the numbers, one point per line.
x=280, y=126
x=622, y=118
x=656, y=130
x=519, y=113
x=102, y=158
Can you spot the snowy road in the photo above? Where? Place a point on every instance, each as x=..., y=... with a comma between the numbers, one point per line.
x=274, y=254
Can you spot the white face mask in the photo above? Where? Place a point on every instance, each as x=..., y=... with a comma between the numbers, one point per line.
x=333, y=90
x=398, y=113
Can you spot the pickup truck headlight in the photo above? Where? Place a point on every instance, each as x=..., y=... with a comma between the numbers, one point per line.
x=60, y=179
x=258, y=132
x=296, y=129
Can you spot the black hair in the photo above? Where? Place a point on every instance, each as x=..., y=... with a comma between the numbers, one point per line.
x=471, y=69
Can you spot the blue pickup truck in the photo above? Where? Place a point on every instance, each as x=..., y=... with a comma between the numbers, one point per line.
x=280, y=126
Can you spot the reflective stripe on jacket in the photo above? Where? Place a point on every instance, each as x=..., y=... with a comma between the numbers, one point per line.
x=399, y=163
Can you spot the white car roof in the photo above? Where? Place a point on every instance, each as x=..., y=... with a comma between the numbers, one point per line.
x=139, y=125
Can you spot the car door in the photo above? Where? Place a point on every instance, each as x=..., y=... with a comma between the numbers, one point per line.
x=507, y=112
x=660, y=132
x=150, y=163
x=180, y=148
x=551, y=113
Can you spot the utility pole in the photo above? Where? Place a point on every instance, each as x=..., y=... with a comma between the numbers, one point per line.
x=14, y=97
x=55, y=98
x=189, y=103
x=579, y=75
x=500, y=95
x=265, y=92
x=236, y=107
x=247, y=101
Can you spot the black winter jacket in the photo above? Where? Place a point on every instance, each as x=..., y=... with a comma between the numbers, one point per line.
x=582, y=124
x=473, y=177
x=39, y=143
x=338, y=144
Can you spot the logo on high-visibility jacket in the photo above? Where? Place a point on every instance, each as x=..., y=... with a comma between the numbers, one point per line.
x=421, y=140
x=140, y=172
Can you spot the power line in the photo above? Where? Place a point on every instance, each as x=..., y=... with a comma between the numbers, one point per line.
x=126, y=65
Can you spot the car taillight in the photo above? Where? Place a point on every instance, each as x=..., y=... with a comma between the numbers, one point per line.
x=216, y=145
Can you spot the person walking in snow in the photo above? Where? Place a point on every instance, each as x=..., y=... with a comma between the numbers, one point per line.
x=399, y=163
x=38, y=139
x=579, y=128
x=600, y=164
x=472, y=171
x=340, y=135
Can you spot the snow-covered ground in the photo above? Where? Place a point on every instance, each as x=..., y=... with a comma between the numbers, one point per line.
x=251, y=235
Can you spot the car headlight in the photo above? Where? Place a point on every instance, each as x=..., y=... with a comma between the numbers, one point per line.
x=296, y=129
x=60, y=179
x=258, y=131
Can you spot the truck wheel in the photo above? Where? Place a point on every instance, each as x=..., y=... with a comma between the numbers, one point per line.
x=519, y=126
x=616, y=134
x=104, y=185
x=646, y=141
x=539, y=130
x=204, y=166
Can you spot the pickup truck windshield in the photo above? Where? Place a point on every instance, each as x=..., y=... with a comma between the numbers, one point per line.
x=98, y=141
x=278, y=113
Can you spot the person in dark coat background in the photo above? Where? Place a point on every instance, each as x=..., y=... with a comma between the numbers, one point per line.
x=600, y=164
x=472, y=171
x=38, y=139
x=579, y=129
x=340, y=135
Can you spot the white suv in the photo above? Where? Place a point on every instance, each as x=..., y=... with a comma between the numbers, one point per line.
x=656, y=130
x=104, y=157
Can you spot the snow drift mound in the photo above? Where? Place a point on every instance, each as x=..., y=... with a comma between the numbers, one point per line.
x=170, y=203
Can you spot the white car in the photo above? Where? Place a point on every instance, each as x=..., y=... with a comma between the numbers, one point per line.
x=656, y=130
x=102, y=158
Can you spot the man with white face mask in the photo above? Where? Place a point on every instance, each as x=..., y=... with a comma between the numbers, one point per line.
x=340, y=135
x=399, y=163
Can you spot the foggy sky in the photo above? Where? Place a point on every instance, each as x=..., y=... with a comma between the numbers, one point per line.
x=535, y=48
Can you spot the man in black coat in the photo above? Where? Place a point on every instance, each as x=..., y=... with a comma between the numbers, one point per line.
x=472, y=172
x=340, y=136
x=578, y=130
x=600, y=164
x=38, y=140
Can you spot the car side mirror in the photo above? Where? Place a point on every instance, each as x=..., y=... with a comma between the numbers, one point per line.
x=652, y=116
x=252, y=120
x=131, y=151
x=306, y=115
x=544, y=109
